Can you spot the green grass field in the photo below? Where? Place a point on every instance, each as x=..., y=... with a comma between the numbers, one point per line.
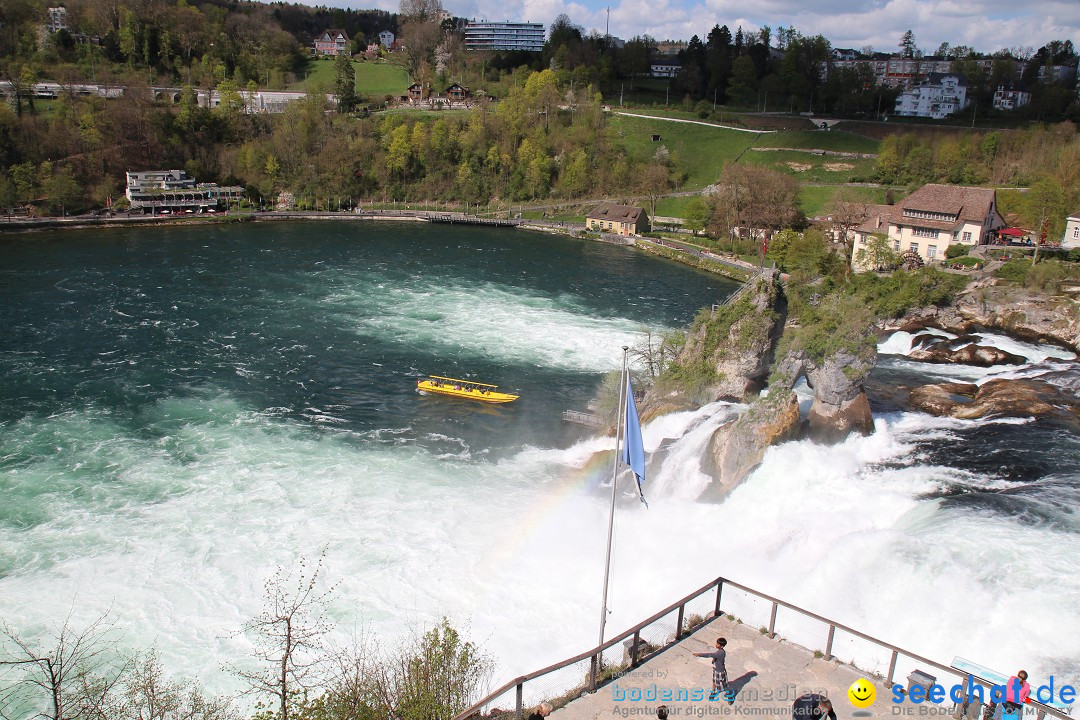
x=808, y=167
x=701, y=150
x=837, y=140
x=374, y=80
x=814, y=199
x=673, y=206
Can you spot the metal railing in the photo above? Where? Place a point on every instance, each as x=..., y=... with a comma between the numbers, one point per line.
x=581, y=418
x=566, y=680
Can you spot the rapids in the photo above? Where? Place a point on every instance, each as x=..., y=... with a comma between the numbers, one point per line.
x=183, y=410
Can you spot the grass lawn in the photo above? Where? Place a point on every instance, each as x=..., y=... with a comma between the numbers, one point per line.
x=701, y=150
x=808, y=167
x=837, y=140
x=374, y=80
x=673, y=206
x=813, y=199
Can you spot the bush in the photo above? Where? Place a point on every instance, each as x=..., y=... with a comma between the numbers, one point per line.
x=966, y=261
x=956, y=250
x=892, y=296
x=1015, y=271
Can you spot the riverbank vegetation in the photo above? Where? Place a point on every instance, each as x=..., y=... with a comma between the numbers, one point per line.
x=546, y=138
x=295, y=672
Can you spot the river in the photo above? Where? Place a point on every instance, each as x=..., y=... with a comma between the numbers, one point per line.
x=185, y=409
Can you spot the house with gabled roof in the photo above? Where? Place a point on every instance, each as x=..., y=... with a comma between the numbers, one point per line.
x=618, y=219
x=332, y=42
x=457, y=93
x=931, y=219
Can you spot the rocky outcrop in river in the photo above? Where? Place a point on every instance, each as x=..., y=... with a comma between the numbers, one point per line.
x=732, y=351
x=1000, y=398
x=964, y=350
x=1016, y=311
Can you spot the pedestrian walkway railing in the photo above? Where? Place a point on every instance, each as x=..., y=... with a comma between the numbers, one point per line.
x=564, y=681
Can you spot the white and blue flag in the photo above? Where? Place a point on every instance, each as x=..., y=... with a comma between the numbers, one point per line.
x=633, y=449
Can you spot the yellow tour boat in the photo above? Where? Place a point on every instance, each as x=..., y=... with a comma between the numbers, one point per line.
x=463, y=389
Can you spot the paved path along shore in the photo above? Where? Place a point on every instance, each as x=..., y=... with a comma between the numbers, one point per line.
x=767, y=675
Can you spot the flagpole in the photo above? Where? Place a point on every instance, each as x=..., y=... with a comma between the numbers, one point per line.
x=614, y=477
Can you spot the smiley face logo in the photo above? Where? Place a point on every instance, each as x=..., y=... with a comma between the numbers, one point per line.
x=861, y=693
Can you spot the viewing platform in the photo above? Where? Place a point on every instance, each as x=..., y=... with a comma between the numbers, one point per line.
x=776, y=652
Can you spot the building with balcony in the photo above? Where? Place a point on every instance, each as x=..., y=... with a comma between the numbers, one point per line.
x=525, y=36
x=163, y=192
x=332, y=42
x=1006, y=97
x=937, y=96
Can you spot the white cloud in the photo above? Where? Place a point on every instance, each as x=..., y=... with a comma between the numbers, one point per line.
x=987, y=25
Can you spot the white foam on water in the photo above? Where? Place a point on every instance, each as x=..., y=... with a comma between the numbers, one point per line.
x=899, y=343
x=1034, y=352
x=486, y=320
x=180, y=536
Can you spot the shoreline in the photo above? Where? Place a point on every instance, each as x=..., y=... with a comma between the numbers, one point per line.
x=699, y=261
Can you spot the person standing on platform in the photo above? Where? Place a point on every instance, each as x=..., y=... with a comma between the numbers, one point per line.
x=719, y=673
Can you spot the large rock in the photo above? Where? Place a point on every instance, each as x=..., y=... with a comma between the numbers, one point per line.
x=963, y=351
x=840, y=405
x=941, y=398
x=736, y=341
x=738, y=447
x=1000, y=398
x=1016, y=311
x=832, y=423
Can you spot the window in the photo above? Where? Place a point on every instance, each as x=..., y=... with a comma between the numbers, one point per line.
x=914, y=246
x=924, y=232
x=896, y=245
x=967, y=237
x=931, y=251
x=1076, y=232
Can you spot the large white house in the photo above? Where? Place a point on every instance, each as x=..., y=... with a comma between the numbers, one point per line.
x=930, y=219
x=937, y=96
x=1072, y=232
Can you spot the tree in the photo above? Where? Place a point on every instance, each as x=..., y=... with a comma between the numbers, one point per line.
x=71, y=675
x=654, y=351
x=879, y=254
x=345, y=83
x=655, y=182
x=907, y=44
x=848, y=212
x=288, y=636
x=147, y=694
x=61, y=190
x=435, y=677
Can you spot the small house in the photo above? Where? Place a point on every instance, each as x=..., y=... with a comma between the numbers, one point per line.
x=457, y=93
x=415, y=92
x=618, y=219
x=386, y=39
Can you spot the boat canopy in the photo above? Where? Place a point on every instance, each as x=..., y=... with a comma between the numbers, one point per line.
x=464, y=382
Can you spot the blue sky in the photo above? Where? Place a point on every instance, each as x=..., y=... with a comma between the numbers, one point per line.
x=986, y=25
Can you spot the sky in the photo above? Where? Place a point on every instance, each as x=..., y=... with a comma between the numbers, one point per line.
x=986, y=25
